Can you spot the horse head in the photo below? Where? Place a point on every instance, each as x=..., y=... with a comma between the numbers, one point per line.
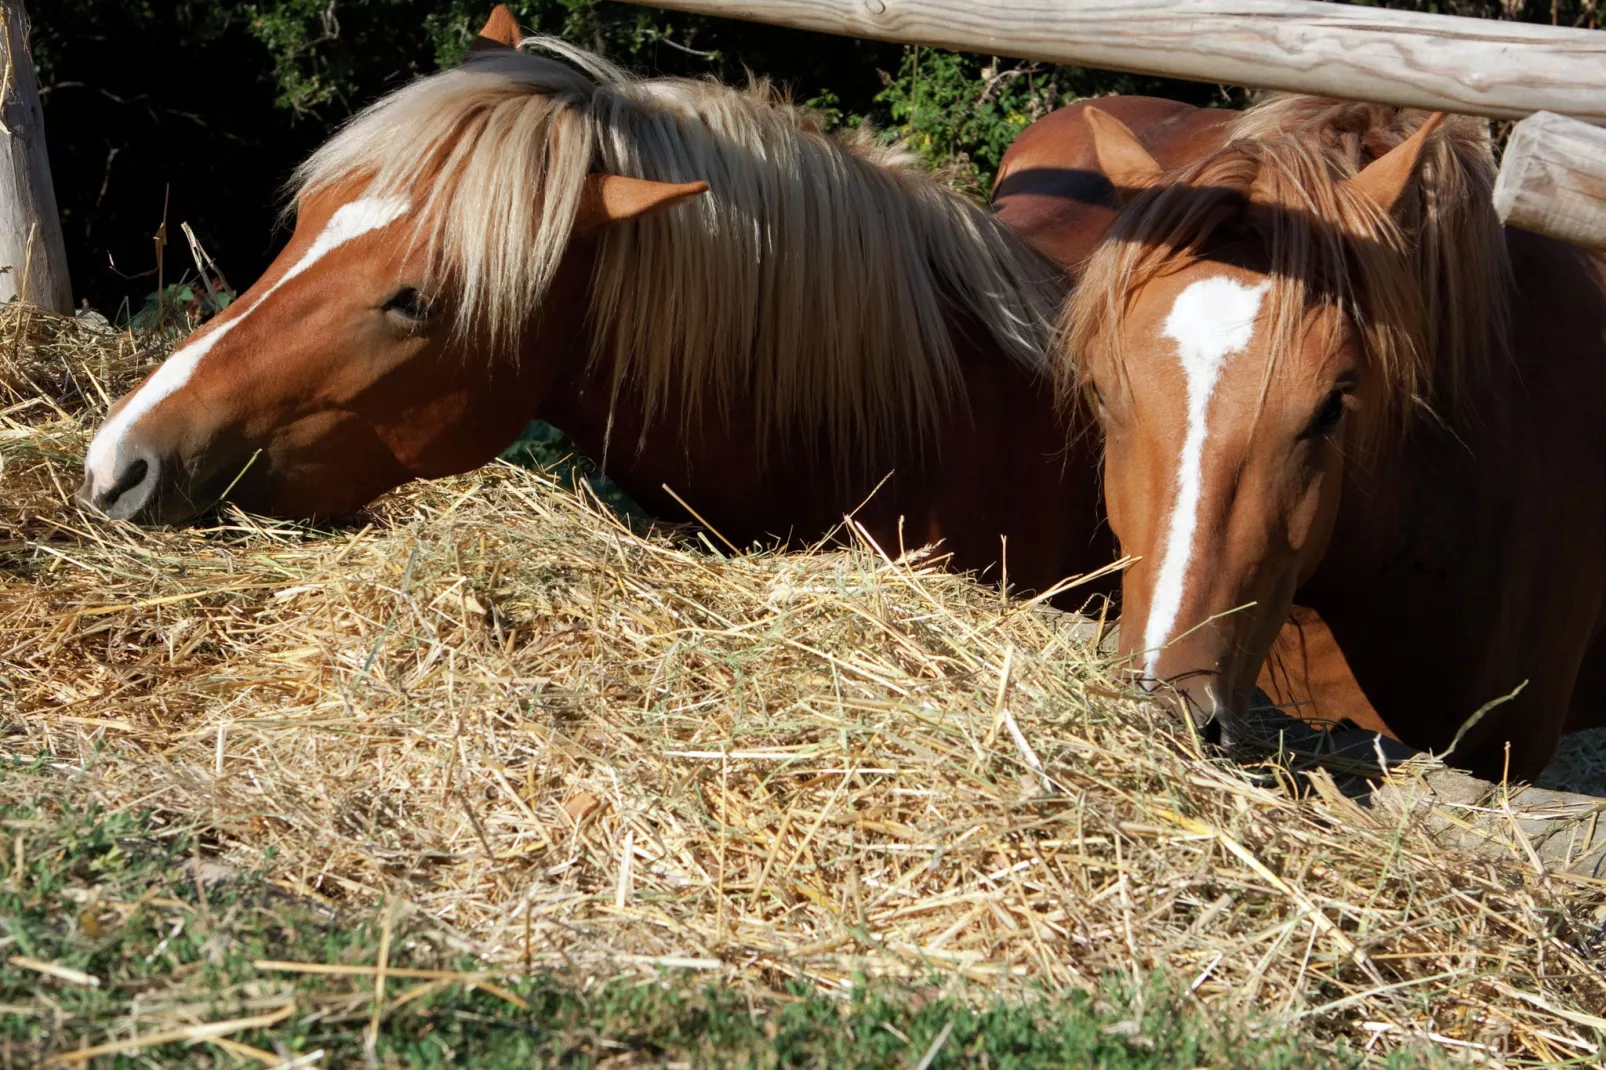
x=1244, y=335
x=360, y=360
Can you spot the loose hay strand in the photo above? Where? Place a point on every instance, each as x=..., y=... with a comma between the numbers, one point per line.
x=577, y=746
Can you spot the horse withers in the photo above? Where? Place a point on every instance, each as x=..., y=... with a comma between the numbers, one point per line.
x=1323, y=370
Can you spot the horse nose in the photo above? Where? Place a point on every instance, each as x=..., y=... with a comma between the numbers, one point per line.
x=133, y=484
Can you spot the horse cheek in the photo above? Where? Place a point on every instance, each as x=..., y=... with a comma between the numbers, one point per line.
x=1310, y=522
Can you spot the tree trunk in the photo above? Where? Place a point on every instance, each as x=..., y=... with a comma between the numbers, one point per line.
x=33, y=259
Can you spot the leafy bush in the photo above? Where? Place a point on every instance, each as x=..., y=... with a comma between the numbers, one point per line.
x=185, y=302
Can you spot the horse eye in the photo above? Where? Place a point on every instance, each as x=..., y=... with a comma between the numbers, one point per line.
x=1327, y=418
x=411, y=304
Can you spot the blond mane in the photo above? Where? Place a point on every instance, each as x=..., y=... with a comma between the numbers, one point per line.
x=1426, y=291
x=812, y=288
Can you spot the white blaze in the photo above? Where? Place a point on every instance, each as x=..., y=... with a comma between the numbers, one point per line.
x=105, y=458
x=1210, y=320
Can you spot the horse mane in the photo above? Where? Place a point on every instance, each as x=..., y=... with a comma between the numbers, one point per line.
x=811, y=287
x=1426, y=290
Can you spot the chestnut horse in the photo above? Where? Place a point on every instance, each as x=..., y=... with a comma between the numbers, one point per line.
x=1052, y=190
x=693, y=282
x=699, y=287
x=1324, y=371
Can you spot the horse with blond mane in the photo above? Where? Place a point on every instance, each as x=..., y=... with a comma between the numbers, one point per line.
x=1323, y=370
x=702, y=289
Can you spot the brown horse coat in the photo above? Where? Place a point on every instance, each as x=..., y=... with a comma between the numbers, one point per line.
x=1368, y=439
x=827, y=331
x=1052, y=190
x=359, y=360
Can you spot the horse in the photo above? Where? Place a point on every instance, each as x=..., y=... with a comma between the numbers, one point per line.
x=737, y=313
x=1051, y=190
x=1323, y=370
x=701, y=288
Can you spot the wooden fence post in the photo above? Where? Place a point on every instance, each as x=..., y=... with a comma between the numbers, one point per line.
x=33, y=258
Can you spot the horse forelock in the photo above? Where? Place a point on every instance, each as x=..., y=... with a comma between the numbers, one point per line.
x=1426, y=295
x=816, y=282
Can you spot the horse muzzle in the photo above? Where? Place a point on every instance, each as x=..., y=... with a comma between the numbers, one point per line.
x=1209, y=677
x=143, y=487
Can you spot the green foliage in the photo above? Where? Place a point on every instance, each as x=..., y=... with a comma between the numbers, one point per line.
x=126, y=899
x=959, y=111
x=543, y=446
x=184, y=303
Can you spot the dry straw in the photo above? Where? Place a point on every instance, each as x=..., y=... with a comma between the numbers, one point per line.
x=578, y=747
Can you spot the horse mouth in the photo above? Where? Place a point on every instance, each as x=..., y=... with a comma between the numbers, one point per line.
x=170, y=503
x=106, y=501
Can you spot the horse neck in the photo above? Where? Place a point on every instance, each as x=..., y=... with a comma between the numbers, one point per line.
x=710, y=464
x=1541, y=403
x=1544, y=366
x=1000, y=466
x=715, y=462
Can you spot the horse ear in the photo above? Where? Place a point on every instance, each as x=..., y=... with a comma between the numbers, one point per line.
x=1385, y=180
x=501, y=32
x=1122, y=157
x=612, y=199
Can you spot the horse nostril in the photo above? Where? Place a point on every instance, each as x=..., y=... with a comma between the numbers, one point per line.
x=129, y=492
x=132, y=477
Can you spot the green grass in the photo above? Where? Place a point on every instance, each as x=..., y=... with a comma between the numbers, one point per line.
x=115, y=896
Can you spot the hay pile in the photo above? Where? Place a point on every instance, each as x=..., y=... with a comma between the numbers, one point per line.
x=578, y=747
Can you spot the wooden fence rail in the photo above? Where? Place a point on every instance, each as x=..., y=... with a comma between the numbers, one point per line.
x=1553, y=179
x=1505, y=70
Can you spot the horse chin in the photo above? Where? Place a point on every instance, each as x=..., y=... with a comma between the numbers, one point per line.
x=307, y=490
x=1253, y=728
x=164, y=509
x=317, y=491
